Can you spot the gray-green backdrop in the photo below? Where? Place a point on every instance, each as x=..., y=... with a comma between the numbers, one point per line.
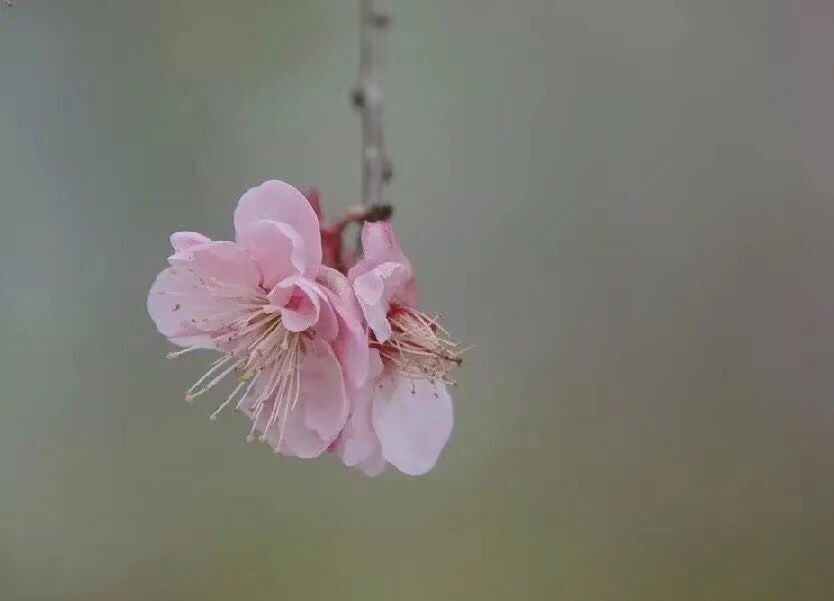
x=626, y=206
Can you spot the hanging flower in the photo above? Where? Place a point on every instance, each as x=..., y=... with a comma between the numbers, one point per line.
x=403, y=415
x=282, y=322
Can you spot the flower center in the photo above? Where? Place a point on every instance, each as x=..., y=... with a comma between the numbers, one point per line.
x=265, y=355
x=419, y=347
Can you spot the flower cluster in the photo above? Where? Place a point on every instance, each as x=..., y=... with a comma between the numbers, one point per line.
x=324, y=358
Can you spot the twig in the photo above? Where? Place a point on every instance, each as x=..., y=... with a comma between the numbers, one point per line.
x=367, y=98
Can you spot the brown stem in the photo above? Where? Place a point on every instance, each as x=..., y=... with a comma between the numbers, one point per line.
x=367, y=98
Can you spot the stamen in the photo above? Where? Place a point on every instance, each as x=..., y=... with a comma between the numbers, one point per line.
x=245, y=393
x=289, y=382
x=255, y=342
x=223, y=405
x=180, y=353
x=189, y=396
x=281, y=433
x=214, y=367
x=419, y=347
x=283, y=381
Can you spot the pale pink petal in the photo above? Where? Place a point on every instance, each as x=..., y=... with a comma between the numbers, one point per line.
x=374, y=289
x=413, y=419
x=301, y=311
x=313, y=197
x=358, y=442
x=183, y=240
x=325, y=401
x=277, y=201
x=309, y=304
x=374, y=465
x=375, y=365
x=206, y=287
x=407, y=295
x=298, y=440
x=379, y=243
x=194, y=339
x=282, y=292
x=321, y=410
x=327, y=326
x=369, y=288
x=351, y=344
x=382, y=277
x=226, y=262
x=277, y=249
x=377, y=320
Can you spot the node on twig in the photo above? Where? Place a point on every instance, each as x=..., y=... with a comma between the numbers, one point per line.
x=357, y=97
x=379, y=212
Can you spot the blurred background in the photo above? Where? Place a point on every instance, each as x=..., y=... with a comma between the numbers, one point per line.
x=625, y=206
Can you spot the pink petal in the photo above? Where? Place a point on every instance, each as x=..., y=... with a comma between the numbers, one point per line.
x=382, y=277
x=282, y=292
x=351, y=344
x=374, y=290
x=227, y=262
x=301, y=312
x=309, y=304
x=379, y=243
x=327, y=326
x=184, y=240
x=407, y=295
x=321, y=410
x=358, y=442
x=277, y=249
x=206, y=287
x=298, y=440
x=369, y=288
x=323, y=389
x=377, y=320
x=413, y=419
x=374, y=465
x=312, y=196
x=277, y=201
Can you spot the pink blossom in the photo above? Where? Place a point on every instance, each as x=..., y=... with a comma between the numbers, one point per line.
x=287, y=326
x=403, y=415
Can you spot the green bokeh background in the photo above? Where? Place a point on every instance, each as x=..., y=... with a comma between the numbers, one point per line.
x=625, y=206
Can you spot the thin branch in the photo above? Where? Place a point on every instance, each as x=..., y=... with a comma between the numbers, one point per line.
x=367, y=98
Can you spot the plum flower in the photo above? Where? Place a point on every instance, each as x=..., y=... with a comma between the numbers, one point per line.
x=282, y=322
x=403, y=415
